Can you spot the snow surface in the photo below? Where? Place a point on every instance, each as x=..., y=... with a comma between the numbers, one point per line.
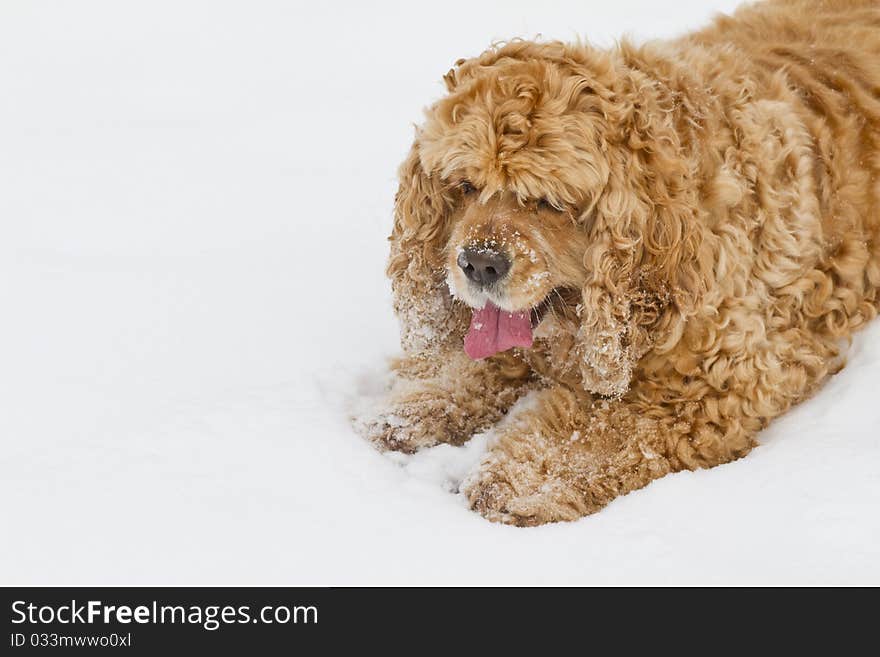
x=194, y=199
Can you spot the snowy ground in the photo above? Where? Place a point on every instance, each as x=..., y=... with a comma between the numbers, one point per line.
x=193, y=204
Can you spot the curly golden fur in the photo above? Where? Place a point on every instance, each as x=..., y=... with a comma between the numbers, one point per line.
x=697, y=220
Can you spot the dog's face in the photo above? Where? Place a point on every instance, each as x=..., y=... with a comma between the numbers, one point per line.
x=519, y=151
x=523, y=256
x=546, y=183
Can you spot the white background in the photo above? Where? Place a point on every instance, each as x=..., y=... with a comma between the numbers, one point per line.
x=194, y=200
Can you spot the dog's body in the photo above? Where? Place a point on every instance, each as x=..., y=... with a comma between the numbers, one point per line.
x=691, y=228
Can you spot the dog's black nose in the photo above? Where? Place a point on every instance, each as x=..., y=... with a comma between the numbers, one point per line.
x=483, y=266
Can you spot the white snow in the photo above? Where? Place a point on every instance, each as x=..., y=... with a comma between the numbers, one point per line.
x=194, y=200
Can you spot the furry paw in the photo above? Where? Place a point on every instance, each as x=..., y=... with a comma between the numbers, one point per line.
x=399, y=429
x=522, y=493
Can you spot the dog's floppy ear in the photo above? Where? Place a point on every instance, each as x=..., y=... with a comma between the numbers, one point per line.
x=428, y=318
x=647, y=262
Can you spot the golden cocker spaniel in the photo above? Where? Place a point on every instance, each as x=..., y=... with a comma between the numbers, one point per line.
x=666, y=245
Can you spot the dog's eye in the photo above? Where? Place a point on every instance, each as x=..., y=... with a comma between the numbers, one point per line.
x=466, y=187
x=544, y=204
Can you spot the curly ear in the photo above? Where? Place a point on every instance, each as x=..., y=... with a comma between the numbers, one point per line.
x=648, y=262
x=611, y=338
x=428, y=318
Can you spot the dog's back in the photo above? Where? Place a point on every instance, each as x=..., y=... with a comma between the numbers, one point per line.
x=818, y=63
x=829, y=52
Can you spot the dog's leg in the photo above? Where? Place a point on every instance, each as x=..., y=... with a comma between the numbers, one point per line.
x=569, y=455
x=444, y=400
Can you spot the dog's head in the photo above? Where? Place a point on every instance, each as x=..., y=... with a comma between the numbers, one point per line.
x=550, y=183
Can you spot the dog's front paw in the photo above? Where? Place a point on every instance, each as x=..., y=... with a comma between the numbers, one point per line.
x=400, y=429
x=522, y=492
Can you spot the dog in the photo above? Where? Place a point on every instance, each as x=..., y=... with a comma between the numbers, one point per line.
x=655, y=249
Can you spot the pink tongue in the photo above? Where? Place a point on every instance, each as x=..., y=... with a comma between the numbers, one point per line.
x=493, y=330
